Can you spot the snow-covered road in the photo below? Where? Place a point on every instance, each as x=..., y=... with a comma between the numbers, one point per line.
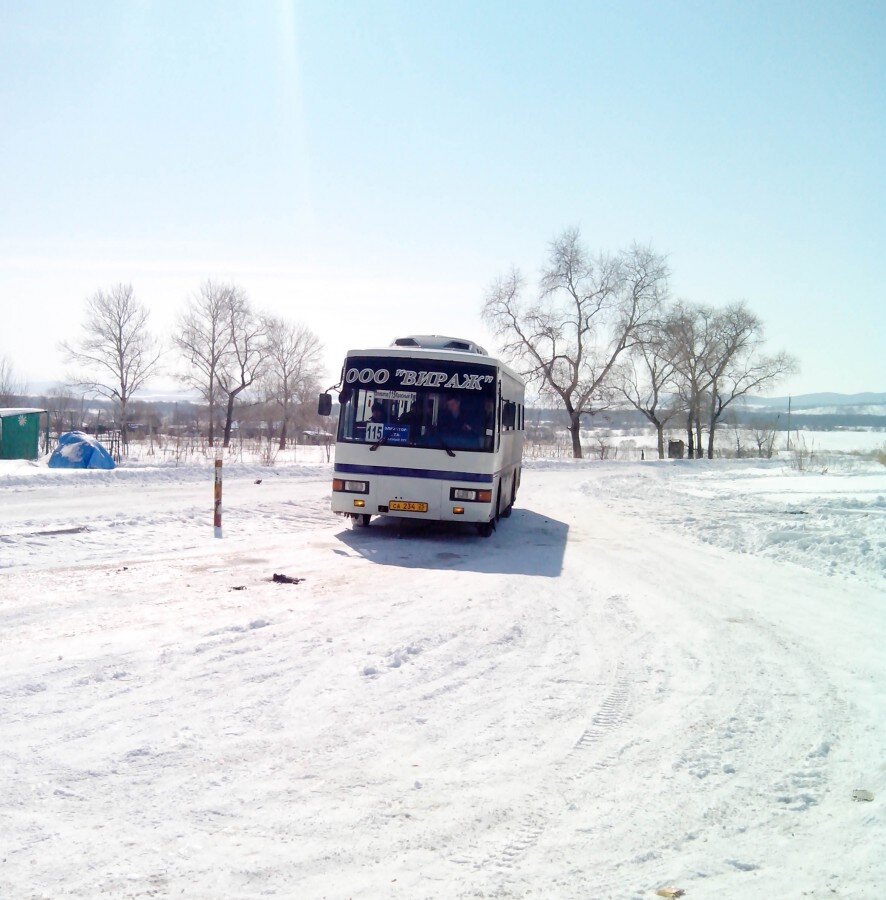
x=591, y=703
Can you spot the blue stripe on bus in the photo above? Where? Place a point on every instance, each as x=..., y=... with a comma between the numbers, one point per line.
x=413, y=473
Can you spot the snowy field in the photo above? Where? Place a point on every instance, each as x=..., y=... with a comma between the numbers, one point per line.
x=838, y=441
x=652, y=674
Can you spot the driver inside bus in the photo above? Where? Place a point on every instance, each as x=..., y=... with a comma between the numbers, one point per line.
x=452, y=420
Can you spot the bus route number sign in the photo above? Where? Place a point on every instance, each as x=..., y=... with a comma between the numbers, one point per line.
x=389, y=434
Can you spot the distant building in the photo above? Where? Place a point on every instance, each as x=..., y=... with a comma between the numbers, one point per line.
x=317, y=436
x=20, y=433
x=676, y=449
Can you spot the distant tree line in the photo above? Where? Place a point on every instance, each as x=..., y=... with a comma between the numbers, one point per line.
x=69, y=411
x=231, y=353
x=626, y=417
x=600, y=329
x=237, y=357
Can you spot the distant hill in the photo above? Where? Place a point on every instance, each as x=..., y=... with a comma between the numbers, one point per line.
x=826, y=403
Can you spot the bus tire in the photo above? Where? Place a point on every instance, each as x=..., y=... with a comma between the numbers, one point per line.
x=485, y=529
x=362, y=519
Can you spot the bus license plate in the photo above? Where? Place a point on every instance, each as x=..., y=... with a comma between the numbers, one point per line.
x=407, y=506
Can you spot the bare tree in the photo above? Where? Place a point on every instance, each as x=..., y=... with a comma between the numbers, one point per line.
x=293, y=368
x=11, y=386
x=587, y=312
x=690, y=340
x=203, y=338
x=244, y=360
x=736, y=366
x=763, y=433
x=117, y=352
x=604, y=446
x=649, y=371
x=738, y=433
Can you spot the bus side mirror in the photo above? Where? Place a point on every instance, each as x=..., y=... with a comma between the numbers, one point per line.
x=324, y=405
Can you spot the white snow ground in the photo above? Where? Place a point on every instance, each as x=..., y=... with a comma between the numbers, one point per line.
x=651, y=674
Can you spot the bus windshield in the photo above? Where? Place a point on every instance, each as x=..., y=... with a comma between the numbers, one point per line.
x=410, y=403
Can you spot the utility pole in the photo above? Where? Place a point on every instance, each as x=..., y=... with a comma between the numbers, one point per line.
x=789, y=422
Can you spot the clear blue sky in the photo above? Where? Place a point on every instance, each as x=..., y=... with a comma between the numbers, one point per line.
x=370, y=168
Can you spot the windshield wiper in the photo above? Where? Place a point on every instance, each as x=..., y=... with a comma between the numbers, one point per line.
x=447, y=449
x=382, y=440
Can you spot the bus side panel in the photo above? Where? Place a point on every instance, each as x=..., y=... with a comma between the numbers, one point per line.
x=511, y=453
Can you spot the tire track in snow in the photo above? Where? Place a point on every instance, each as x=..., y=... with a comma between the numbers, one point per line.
x=539, y=808
x=755, y=750
x=611, y=714
x=764, y=719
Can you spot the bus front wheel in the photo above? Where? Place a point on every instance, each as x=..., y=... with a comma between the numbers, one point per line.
x=506, y=512
x=486, y=528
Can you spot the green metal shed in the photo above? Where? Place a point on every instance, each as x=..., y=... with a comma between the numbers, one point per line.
x=20, y=433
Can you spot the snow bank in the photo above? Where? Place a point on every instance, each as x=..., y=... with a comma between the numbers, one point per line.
x=829, y=521
x=13, y=474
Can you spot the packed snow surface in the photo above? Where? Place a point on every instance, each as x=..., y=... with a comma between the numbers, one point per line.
x=651, y=675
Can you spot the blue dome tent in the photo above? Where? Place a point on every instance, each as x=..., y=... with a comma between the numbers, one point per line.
x=77, y=450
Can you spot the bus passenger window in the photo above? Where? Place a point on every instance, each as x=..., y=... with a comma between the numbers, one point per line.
x=508, y=415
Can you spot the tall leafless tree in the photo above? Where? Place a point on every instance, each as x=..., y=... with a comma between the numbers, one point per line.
x=587, y=312
x=736, y=365
x=294, y=366
x=646, y=377
x=203, y=336
x=245, y=356
x=117, y=354
x=690, y=339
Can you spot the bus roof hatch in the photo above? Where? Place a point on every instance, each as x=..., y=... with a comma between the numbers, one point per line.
x=439, y=342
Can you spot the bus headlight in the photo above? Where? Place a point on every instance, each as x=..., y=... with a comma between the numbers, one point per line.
x=470, y=494
x=350, y=487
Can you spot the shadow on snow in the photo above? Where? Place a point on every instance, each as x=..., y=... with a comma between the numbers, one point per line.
x=525, y=544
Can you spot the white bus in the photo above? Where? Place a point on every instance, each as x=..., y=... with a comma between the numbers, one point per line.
x=429, y=428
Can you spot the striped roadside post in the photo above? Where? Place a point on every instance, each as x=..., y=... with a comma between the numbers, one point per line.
x=218, y=497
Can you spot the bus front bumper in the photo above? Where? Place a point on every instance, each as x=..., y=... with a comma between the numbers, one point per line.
x=413, y=498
